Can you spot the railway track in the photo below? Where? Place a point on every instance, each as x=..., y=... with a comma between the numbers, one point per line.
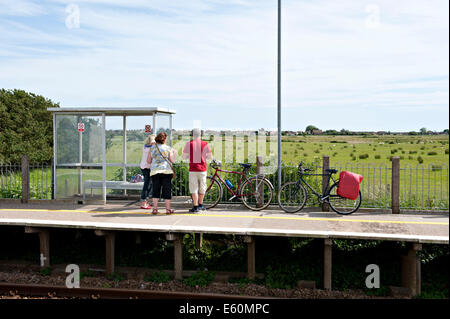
x=7, y=289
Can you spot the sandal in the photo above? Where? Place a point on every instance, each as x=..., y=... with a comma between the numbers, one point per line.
x=146, y=206
x=169, y=211
x=155, y=211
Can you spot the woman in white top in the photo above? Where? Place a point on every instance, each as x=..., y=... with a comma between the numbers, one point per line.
x=145, y=167
x=160, y=158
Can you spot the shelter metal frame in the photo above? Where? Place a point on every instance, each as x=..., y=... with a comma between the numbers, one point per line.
x=103, y=112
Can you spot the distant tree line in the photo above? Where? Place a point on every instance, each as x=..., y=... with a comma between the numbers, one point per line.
x=313, y=130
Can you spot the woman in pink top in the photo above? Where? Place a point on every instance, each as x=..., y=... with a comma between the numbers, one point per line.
x=145, y=167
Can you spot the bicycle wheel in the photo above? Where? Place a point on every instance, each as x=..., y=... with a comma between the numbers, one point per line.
x=292, y=197
x=213, y=193
x=256, y=193
x=341, y=205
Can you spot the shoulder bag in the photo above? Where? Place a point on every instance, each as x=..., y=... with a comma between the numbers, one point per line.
x=174, y=175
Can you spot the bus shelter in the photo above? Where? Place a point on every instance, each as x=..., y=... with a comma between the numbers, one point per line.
x=96, y=150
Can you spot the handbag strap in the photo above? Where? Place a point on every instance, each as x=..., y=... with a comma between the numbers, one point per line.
x=165, y=158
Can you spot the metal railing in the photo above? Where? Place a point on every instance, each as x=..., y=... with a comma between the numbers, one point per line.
x=40, y=181
x=420, y=187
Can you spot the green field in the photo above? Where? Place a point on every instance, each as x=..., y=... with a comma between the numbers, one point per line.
x=424, y=180
x=412, y=150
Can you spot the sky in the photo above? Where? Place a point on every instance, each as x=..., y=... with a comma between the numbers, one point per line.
x=354, y=64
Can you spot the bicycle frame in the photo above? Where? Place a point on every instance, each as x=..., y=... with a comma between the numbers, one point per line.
x=325, y=191
x=243, y=176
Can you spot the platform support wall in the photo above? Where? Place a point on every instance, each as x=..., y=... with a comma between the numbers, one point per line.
x=44, y=244
x=110, y=239
x=411, y=269
x=178, y=254
x=327, y=263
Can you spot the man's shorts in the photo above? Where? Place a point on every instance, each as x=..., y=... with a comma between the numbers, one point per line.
x=197, y=182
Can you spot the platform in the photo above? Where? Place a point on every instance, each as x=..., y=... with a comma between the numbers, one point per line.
x=414, y=228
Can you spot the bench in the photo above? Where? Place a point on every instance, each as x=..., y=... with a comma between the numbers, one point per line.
x=111, y=185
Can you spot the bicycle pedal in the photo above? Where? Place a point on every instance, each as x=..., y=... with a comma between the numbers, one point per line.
x=231, y=198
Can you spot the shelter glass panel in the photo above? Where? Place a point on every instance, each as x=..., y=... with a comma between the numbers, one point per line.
x=136, y=136
x=78, y=139
x=73, y=182
x=163, y=124
x=114, y=139
x=67, y=139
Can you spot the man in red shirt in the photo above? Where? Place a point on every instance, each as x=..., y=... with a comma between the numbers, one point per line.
x=197, y=151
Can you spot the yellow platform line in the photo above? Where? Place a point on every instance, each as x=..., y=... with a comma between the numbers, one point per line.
x=238, y=216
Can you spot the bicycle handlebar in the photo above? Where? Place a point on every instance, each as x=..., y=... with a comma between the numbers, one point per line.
x=301, y=170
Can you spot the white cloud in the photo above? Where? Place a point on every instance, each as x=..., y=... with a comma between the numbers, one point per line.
x=222, y=54
x=20, y=8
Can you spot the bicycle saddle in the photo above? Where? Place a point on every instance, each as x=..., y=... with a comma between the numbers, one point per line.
x=332, y=171
x=245, y=165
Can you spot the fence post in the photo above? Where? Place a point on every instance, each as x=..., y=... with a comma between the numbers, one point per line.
x=259, y=171
x=395, y=193
x=325, y=166
x=25, y=179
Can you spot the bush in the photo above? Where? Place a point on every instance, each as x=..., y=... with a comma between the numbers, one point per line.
x=201, y=278
x=284, y=277
x=377, y=156
x=432, y=153
x=115, y=276
x=36, y=137
x=420, y=159
x=160, y=276
x=435, y=168
x=446, y=151
x=363, y=156
x=11, y=191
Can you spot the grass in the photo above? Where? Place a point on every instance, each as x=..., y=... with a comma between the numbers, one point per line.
x=424, y=163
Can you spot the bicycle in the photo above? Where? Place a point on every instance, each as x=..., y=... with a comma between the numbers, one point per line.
x=292, y=196
x=256, y=192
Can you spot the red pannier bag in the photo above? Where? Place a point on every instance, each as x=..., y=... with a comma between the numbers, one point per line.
x=349, y=185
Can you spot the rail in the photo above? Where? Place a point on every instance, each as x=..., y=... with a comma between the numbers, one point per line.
x=107, y=293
